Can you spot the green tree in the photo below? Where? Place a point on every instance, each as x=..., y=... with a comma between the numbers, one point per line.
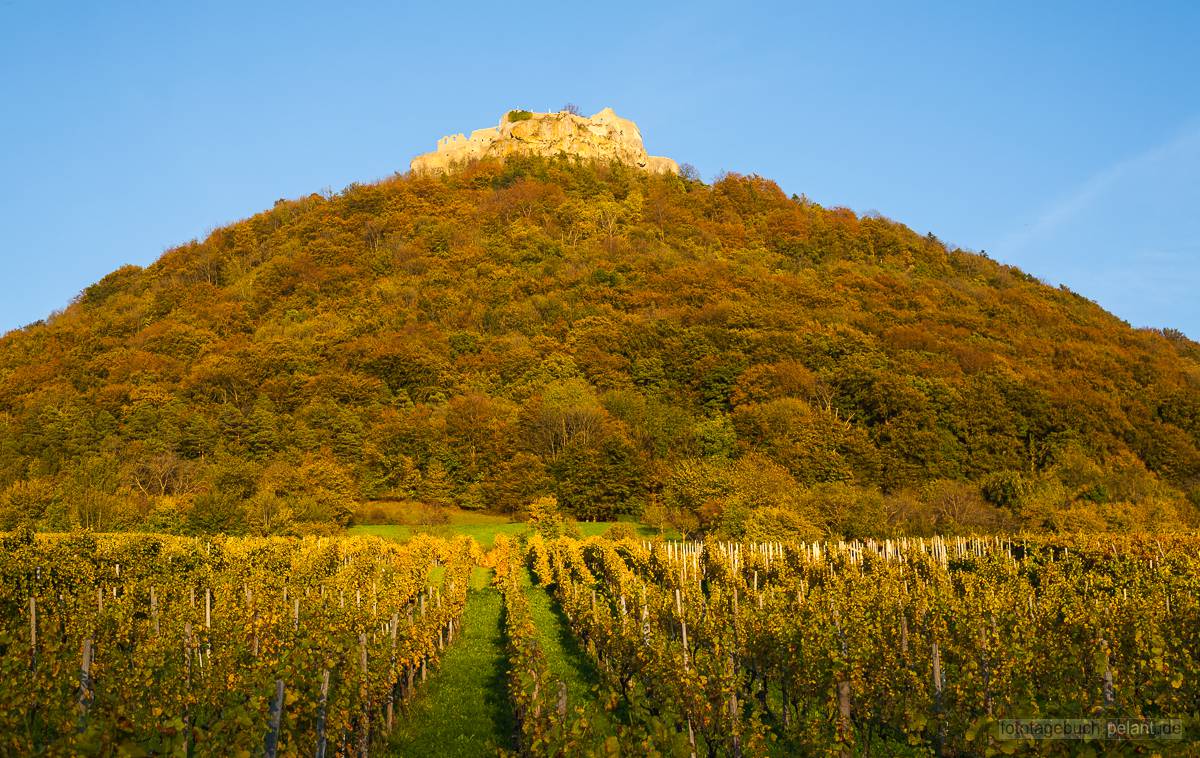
x=517, y=481
x=602, y=482
x=436, y=485
x=216, y=513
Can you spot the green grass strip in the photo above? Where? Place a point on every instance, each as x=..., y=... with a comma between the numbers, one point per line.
x=485, y=531
x=567, y=661
x=463, y=709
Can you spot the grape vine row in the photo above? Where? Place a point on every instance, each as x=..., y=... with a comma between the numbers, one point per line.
x=146, y=644
x=909, y=647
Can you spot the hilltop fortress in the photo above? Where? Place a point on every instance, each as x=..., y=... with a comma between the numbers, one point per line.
x=604, y=136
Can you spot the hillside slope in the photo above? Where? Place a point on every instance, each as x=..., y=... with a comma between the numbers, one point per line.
x=716, y=355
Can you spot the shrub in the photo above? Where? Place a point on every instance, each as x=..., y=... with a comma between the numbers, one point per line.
x=518, y=115
x=547, y=519
x=779, y=525
x=372, y=513
x=214, y=513
x=620, y=531
x=432, y=515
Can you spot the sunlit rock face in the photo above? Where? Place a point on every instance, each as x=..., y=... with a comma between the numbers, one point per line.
x=604, y=136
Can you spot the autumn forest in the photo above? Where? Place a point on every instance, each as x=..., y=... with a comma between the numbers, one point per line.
x=712, y=358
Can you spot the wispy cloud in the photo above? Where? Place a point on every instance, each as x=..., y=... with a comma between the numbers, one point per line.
x=1096, y=186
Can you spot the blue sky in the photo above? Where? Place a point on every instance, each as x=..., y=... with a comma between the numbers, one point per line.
x=1060, y=137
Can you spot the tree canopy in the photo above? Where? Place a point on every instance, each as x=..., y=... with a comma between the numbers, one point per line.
x=722, y=353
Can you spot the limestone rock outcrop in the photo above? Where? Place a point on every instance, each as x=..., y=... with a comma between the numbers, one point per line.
x=604, y=136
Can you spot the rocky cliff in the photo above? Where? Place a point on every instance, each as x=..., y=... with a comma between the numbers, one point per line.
x=604, y=136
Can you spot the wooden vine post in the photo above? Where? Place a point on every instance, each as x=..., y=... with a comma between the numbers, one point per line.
x=187, y=681
x=321, y=710
x=33, y=636
x=154, y=610
x=1109, y=692
x=364, y=731
x=271, y=746
x=844, y=735
x=393, y=679
x=86, y=693
x=937, y=697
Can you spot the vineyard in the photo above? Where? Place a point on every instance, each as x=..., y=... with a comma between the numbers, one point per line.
x=911, y=647
x=145, y=644
x=162, y=645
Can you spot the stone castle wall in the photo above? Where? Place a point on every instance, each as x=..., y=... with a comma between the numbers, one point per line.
x=604, y=136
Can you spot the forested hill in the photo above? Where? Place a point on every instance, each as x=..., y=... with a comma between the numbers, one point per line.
x=718, y=356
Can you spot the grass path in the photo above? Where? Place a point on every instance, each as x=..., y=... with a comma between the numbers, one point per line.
x=463, y=709
x=567, y=661
x=484, y=527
